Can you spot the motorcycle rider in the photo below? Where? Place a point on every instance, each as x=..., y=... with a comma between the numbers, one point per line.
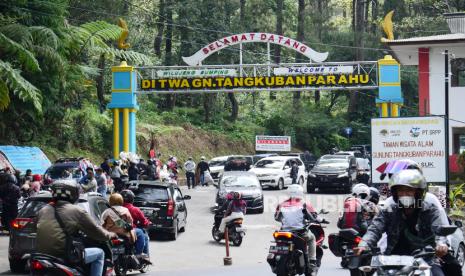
x=409, y=221
x=140, y=223
x=9, y=195
x=51, y=239
x=235, y=210
x=293, y=214
x=374, y=195
x=117, y=218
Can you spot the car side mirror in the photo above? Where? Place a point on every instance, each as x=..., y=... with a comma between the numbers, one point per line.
x=186, y=197
x=458, y=223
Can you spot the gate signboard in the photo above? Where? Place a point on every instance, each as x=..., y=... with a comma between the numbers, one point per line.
x=272, y=143
x=421, y=139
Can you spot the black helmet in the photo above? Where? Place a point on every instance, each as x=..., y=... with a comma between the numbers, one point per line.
x=128, y=196
x=10, y=179
x=64, y=189
x=374, y=195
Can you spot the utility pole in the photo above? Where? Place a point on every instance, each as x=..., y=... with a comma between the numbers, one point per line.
x=446, y=123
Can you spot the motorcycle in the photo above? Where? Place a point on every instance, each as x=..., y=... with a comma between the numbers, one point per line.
x=285, y=259
x=383, y=265
x=124, y=259
x=339, y=245
x=43, y=265
x=235, y=230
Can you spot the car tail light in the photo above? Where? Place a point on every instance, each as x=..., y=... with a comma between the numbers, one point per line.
x=20, y=223
x=170, y=211
x=287, y=235
x=357, y=240
x=36, y=265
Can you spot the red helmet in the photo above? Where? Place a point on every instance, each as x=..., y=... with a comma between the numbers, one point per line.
x=36, y=177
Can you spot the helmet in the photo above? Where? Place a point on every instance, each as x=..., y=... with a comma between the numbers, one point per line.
x=408, y=178
x=295, y=191
x=116, y=200
x=237, y=196
x=374, y=195
x=64, y=189
x=361, y=191
x=9, y=178
x=202, y=158
x=128, y=196
x=36, y=177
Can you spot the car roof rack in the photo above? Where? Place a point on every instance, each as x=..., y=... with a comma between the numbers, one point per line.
x=69, y=159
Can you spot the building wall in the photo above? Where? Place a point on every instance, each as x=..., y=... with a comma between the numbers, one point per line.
x=437, y=89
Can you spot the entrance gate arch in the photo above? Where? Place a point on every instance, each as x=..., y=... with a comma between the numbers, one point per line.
x=128, y=81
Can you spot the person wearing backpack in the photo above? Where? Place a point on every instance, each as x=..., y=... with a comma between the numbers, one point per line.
x=61, y=220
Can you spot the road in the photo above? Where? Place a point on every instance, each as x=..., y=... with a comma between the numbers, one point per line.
x=195, y=252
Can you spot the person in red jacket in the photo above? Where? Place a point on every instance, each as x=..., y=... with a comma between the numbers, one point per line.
x=140, y=223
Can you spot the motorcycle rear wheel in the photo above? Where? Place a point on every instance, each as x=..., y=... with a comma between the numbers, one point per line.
x=144, y=268
x=281, y=267
x=236, y=238
x=215, y=234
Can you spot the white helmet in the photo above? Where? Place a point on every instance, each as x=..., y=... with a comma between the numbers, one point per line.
x=361, y=191
x=295, y=191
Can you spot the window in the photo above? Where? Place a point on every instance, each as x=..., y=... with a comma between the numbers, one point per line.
x=458, y=72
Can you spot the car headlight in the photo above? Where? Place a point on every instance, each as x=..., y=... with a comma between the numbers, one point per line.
x=344, y=174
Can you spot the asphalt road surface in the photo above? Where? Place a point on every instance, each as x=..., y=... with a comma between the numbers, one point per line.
x=196, y=253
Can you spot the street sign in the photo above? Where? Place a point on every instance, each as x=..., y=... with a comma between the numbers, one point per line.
x=421, y=139
x=272, y=143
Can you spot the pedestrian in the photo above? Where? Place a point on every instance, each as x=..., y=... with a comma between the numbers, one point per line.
x=101, y=179
x=116, y=174
x=142, y=166
x=294, y=172
x=106, y=165
x=9, y=194
x=203, y=167
x=133, y=172
x=173, y=166
x=36, y=184
x=189, y=166
x=28, y=175
x=88, y=182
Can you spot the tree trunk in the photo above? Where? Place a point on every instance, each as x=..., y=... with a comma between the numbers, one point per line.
x=100, y=83
x=160, y=29
x=279, y=31
x=234, y=107
x=206, y=107
x=301, y=38
x=359, y=54
x=171, y=98
x=242, y=12
x=374, y=16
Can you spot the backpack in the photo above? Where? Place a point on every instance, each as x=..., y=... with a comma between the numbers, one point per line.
x=352, y=216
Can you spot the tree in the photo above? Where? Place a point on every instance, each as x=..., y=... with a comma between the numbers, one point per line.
x=279, y=30
x=300, y=37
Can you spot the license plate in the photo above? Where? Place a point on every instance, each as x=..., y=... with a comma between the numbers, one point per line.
x=279, y=249
x=117, y=250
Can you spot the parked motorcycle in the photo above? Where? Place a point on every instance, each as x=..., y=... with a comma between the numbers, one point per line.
x=384, y=265
x=235, y=230
x=124, y=259
x=285, y=259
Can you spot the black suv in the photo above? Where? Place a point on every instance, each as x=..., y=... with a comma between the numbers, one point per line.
x=56, y=171
x=163, y=204
x=333, y=172
x=24, y=227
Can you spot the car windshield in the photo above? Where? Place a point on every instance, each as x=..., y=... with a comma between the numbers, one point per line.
x=216, y=163
x=151, y=194
x=58, y=172
x=271, y=164
x=239, y=181
x=333, y=162
x=32, y=208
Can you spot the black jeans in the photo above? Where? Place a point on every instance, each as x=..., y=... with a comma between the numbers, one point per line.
x=190, y=178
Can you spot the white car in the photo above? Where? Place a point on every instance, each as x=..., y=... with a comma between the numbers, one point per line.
x=217, y=167
x=275, y=171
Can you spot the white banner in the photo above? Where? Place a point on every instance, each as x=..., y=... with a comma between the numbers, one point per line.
x=421, y=139
x=272, y=143
x=196, y=73
x=317, y=70
x=197, y=58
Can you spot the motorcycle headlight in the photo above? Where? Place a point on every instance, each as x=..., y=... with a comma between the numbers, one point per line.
x=344, y=174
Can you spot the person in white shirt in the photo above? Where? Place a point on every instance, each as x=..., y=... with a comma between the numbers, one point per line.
x=189, y=166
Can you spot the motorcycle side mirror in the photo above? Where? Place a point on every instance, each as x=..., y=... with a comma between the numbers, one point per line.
x=446, y=230
x=324, y=212
x=187, y=197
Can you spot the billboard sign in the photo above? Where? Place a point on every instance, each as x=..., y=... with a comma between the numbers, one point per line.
x=310, y=70
x=272, y=143
x=421, y=139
